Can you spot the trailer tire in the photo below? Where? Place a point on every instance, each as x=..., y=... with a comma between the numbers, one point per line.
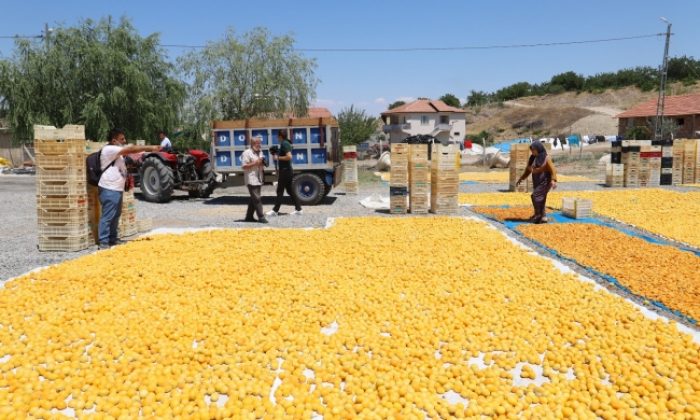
x=157, y=181
x=308, y=188
x=207, y=174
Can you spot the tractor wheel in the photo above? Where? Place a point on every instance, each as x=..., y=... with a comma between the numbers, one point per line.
x=157, y=181
x=207, y=175
x=309, y=188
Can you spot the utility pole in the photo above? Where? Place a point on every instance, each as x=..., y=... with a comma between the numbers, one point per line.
x=47, y=33
x=663, y=72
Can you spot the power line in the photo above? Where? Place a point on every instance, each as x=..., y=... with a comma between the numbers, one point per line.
x=21, y=36
x=414, y=49
x=458, y=48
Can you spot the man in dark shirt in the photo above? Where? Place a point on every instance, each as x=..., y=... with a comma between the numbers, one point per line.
x=284, y=175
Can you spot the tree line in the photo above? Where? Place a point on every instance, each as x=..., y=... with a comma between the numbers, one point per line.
x=680, y=69
x=103, y=75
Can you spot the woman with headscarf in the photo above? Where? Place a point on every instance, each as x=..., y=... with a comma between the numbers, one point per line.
x=544, y=178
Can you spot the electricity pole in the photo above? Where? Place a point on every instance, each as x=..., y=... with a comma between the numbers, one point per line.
x=663, y=71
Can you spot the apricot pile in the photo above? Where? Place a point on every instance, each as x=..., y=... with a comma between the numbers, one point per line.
x=658, y=272
x=374, y=317
x=671, y=214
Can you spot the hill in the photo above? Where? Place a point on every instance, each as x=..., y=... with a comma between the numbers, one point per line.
x=563, y=113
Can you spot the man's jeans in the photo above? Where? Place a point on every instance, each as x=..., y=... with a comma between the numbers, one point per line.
x=111, y=202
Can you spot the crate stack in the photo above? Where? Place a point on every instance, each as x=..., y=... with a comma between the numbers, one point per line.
x=128, y=225
x=615, y=175
x=649, y=166
x=419, y=178
x=697, y=161
x=398, y=185
x=350, y=169
x=519, y=156
x=444, y=179
x=689, y=161
x=678, y=148
x=631, y=158
x=61, y=188
x=616, y=152
x=666, y=163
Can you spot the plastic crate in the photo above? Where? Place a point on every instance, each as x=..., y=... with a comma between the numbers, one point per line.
x=62, y=203
x=47, y=188
x=63, y=229
x=144, y=225
x=76, y=216
x=66, y=244
x=577, y=207
x=128, y=230
x=75, y=173
x=61, y=161
x=59, y=147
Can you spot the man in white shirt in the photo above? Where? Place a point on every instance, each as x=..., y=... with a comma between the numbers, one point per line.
x=165, y=143
x=111, y=185
x=253, y=164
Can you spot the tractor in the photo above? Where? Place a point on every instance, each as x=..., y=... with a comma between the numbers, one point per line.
x=159, y=174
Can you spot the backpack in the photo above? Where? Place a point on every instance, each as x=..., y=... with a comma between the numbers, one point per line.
x=93, y=164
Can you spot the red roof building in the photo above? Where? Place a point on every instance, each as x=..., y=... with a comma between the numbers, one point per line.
x=683, y=109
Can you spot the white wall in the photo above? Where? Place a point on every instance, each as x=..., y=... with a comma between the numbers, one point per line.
x=457, y=122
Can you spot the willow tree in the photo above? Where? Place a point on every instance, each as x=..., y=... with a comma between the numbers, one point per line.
x=254, y=75
x=95, y=73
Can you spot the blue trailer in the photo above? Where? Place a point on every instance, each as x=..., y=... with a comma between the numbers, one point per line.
x=316, y=152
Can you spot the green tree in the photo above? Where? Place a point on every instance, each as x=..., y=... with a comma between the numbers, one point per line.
x=451, y=100
x=256, y=75
x=95, y=74
x=569, y=81
x=477, y=98
x=396, y=104
x=355, y=125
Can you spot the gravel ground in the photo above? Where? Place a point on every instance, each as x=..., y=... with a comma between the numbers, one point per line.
x=225, y=208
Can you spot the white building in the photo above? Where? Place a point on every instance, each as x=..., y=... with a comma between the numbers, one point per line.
x=425, y=116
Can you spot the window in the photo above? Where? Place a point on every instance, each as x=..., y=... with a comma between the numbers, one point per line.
x=424, y=120
x=403, y=120
x=680, y=121
x=444, y=119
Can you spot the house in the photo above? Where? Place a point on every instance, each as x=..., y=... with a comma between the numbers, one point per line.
x=425, y=116
x=684, y=110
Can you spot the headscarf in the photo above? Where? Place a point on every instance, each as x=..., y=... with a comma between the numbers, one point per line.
x=541, y=157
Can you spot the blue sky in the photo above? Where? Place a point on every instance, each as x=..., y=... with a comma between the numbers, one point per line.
x=371, y=80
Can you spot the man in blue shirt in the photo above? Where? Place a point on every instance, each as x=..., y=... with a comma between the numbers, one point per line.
x=284, y=175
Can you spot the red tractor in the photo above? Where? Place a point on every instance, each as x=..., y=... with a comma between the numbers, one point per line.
x=159, y=174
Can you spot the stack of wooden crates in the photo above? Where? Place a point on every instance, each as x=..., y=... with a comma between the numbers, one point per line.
x=690, y=157
x=61, y=188
x=631, y=158
x=444, y=179
x=519, y=156
x=350, y=169
x=398, y=184
x=615, y=175
x=677, y=164
x=649, y=166
x=418, y=178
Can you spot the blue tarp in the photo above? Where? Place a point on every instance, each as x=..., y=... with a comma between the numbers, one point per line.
x=558, y=217
x=504, y=146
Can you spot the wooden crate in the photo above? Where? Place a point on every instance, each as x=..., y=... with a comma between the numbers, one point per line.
x=65, y=243
x=75, y=173
x=63, y=229
x=60, y=147
x=68, y=132
x=577, y=208
x=62, y=203
x=61, y=188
